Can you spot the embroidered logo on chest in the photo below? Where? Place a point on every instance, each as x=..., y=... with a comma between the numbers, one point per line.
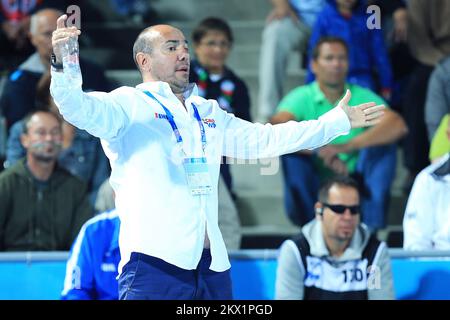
x=209, y=122
x=161, y=116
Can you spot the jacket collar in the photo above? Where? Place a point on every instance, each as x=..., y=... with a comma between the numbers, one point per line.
x=443, y=169
x=58, y=175
x=318, y=248
x=163, y=89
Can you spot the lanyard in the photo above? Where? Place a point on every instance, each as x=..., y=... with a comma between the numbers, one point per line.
x=176, y=132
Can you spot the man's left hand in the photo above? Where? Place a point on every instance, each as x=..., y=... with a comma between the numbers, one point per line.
x=363, y=115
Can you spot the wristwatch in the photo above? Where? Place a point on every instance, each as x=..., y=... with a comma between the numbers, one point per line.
x=55, y=65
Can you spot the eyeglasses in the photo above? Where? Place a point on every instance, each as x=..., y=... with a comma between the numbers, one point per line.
x=220, y=44
x=340, y=209
x=43, y=133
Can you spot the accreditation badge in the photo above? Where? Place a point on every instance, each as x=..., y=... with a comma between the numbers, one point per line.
x=197, y=174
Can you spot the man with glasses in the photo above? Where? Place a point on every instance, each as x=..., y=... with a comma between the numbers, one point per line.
x=335, y=257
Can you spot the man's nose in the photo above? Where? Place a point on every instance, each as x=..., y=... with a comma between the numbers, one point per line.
x=184, y=55
x=49, y=136
x=335, y=62
x=347, y=214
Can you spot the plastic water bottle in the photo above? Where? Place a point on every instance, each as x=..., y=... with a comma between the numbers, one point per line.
x=71, y=63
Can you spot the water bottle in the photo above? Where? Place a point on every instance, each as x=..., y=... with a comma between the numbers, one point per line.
x=71, y=63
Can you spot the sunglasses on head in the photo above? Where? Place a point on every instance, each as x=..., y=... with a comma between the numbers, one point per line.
x=340, y=209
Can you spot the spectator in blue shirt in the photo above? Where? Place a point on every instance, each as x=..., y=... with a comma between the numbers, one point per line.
x=92, y=266
x=347, y=20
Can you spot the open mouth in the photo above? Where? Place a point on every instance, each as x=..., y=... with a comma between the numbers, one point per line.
x=182, y=69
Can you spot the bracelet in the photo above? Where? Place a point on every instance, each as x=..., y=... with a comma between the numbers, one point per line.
x=54, y=64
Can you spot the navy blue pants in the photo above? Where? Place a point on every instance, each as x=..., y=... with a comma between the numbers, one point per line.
x=148, y=278
x=376, y=168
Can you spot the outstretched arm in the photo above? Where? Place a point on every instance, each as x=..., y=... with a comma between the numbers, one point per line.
x=246, y=140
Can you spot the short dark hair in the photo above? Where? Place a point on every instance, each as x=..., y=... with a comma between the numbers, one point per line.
x=211, y=24
x=342, y=181
x=327, y=39
x=141, y=44
x=26, y=120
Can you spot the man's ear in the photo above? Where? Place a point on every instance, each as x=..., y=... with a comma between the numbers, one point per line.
x=143, y=61
x=32, y=39
x=313, y=65
x=319, y=210
x=24, y=140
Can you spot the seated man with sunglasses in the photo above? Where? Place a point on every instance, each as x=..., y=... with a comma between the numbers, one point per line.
x=335, y=256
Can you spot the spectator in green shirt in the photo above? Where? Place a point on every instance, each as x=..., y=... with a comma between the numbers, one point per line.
x=367, y=154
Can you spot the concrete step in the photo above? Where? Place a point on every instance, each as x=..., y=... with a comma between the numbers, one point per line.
x=115, y=35
x=129, y=78
x=242, y=58
x=120, y=36
x=293, y=79
x=262, y=210
x=199, y=9
x=110, y=60
x=246, y=58
x=247, y=32
x=259, y=188
x=263, y=178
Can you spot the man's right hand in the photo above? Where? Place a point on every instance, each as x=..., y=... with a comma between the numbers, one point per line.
x=329, y=156
x=62, y=35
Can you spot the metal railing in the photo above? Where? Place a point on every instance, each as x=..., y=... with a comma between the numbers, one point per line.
x=261, y=254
